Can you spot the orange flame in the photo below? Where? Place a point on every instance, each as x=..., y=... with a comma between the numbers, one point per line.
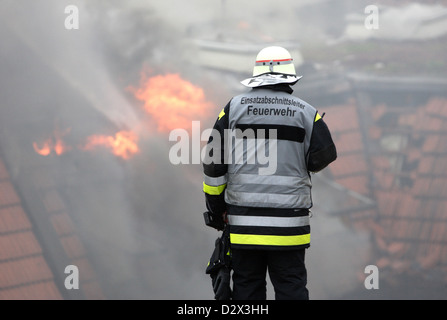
x=172, y=102
x=45, y=150
x=53, y=144
x=123, y=145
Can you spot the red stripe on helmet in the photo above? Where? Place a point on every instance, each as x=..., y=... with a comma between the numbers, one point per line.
x=277, y=60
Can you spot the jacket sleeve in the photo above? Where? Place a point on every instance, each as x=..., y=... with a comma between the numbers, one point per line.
x=215, y=167
x=322, y=150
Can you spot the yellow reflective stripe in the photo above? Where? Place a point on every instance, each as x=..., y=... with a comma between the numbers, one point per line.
x=317, y=117
x=212, y=190
x=221, y=114
x=269, y=240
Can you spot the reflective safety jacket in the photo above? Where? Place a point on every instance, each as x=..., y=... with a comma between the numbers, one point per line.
x=259, y=155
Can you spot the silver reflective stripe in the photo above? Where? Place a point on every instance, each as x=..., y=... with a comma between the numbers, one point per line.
x=214, y=181
x=268, y=199
x=268, y=221
x=243, y=178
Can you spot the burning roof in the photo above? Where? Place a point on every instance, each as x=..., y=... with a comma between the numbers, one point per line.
x=395, y=156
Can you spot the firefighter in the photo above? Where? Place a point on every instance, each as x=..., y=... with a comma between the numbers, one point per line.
x=267, y=211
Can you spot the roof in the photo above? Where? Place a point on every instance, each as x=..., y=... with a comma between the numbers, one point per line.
x=395, y=155
x=26, y=267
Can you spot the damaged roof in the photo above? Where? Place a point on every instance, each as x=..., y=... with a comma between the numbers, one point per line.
x=396, y=156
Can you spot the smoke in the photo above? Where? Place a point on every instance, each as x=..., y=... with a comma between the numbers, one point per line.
x=140, y=219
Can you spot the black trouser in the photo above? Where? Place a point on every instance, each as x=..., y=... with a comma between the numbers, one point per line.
x=286, y=270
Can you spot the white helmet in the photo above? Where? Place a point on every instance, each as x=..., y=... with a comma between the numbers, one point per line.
x=274, y=59
x=273, y=65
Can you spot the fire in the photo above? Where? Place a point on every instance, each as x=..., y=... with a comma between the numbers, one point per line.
x=53, y=144
x=123, y=144
x=45, y=150
x=172, y=101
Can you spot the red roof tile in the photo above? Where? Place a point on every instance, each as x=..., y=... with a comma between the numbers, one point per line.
x=72, y=246
x=349, y=164
x=92, y=290
x=18, y=245
x=437, y=107
x=23, y=271
x=13, y=218
x=7, y=194
x=86, y=272
x=358, y=183
x=62, y=224
x=349, y=142
x=342, y=118
x=386, y=178
x=45, y=290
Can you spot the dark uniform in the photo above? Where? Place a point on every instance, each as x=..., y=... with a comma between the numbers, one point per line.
x=267, y=204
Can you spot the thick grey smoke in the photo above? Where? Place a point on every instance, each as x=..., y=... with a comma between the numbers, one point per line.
x=140, y=219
